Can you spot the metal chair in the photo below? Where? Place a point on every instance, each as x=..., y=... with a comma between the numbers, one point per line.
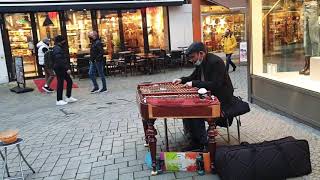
x=4, y=158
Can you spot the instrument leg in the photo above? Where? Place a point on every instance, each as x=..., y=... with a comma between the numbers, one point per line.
x=151, y=133
x=166, y=134
x=145, y=127
x=212, y=142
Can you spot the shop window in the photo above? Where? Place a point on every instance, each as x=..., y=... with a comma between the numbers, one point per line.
x=214, y=27
x=48, y=25
x=108, y=24
x=132, y=30
x=21, y=41
x=287, y=48
x=78, y=24
x=157, y=28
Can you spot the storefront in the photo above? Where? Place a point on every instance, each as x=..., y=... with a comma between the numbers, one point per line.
x=284, y=67
x=123, y=25
x=216, y=20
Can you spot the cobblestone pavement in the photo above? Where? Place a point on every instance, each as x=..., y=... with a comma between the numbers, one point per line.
x=101, y=136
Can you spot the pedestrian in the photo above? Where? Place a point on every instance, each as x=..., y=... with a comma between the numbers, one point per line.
x=210, y=73
x=62, y=70
x=96, y=62
x=43, y=48
x=229, y=43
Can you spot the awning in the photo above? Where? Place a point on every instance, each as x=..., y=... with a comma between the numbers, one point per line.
x=231, y=4
x=59, y=5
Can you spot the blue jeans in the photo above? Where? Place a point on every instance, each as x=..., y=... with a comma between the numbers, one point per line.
x=229, y=61
x=92, y=74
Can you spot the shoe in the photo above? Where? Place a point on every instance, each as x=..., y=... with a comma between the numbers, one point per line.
x=71, y=100
x=103, y=90
x=61, y=103
x=234, y=69
x=47, y=89
x=94, y=90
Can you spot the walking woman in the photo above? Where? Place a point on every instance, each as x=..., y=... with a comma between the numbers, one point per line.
x=62, y=69
x=229, y=44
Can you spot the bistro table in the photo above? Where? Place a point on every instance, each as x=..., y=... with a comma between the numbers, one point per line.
x=151, y=60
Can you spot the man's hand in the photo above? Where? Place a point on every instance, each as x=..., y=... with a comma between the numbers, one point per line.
x=176, y=81
x=69, y=71
x=188, y=84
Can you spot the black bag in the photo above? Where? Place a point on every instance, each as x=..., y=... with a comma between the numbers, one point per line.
x=237, y=108
x=276, y=160
x=48, y=59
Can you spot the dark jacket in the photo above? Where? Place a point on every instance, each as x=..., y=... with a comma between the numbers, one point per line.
x=96, y=51
x=216, y=79
x=60, y=58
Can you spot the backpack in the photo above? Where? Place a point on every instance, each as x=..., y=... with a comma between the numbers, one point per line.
x=48, y=59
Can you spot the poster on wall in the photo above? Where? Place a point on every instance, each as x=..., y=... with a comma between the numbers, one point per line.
x=243, y=52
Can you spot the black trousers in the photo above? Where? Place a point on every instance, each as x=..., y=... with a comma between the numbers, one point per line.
x=61, y=76
x=196, y=129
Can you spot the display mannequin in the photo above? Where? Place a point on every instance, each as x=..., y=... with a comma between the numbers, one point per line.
x=311, y=33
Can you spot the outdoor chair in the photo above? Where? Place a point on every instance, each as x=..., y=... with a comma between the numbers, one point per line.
x=176, y=59
x=83, y=67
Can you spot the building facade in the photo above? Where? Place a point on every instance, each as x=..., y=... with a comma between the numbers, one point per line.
x=284, y=58
x=122, y=25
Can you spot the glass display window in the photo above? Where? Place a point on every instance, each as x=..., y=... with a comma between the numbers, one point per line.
x=157, y=28
x=48, y=25
x=132, y=30
x=214, y=27
x=21, y=41
x=286, y=42
x=108, y=24
x=78, y=25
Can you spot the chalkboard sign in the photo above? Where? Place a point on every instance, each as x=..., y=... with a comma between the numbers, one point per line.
x=19, y=70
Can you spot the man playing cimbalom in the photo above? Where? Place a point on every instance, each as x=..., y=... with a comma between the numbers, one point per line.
x=96, y=62
x=210, y=73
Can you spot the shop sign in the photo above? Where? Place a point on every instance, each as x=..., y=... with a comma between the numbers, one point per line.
x=243, y=52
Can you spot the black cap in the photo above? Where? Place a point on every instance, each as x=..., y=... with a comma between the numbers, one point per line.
x=196, y=47
x=59, y=39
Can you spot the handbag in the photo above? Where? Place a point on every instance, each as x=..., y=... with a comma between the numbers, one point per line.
x=276, y=160
x=237, y=107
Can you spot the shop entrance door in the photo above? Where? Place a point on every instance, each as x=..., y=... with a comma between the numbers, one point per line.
x=48, y=26
x=19, y=30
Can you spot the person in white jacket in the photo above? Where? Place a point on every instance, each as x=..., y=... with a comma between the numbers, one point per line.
x=43, y=47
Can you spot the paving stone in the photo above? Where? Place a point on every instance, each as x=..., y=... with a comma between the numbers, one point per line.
x=140, y=174
x=115, y=166
x=58, y=170
x=127, y=158
x=69, y=173
x=103, y=163
x=163, y=176
x=112, y=174
x=207, y=177
x=84, y=168
x=127, y=176
x=97, y=170
x=83, y=176
x=97, y=177
x=57, y=177
x=130, y=169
